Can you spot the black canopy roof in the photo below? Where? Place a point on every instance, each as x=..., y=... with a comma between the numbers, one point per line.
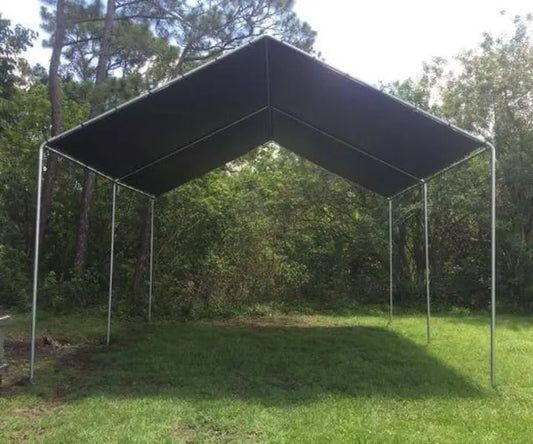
x=266, y=91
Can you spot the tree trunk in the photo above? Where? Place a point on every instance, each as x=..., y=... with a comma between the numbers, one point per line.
x=144, y=252
x=54, y=93
x=105, y=49
x=80, y=256
x=419, y=250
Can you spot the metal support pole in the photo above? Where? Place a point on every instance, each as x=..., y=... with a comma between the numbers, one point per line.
x=426, y=240
x=111, y=259
x=36, y=260
x=151, y=260
x=493, y=269
x=390, y=261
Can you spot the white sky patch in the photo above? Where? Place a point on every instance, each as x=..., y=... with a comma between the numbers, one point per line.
x=385, y=40
x=373, y=40
x=27, y=14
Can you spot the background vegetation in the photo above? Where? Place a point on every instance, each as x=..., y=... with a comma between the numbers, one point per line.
x=269, y=228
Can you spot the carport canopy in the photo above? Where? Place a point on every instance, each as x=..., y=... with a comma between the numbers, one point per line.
x=266, y=91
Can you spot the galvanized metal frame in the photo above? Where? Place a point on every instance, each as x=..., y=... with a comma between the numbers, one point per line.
x=36, y=259
x=487, y=146
x=99, y=173
x=426, y=248
x=465, y=159
x=116, y=183
x=391, y=281
x=152, y=204
x=111, y=263
x=426, y=244
x=493, y=265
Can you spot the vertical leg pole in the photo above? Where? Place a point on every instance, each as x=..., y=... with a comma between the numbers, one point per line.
x=151, y=261
x=111, y=260
x=36, y=261
x=493, y=270
x=426, y=240
x=390, y=262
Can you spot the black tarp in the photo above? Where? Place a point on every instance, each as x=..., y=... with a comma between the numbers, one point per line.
x=266, y=91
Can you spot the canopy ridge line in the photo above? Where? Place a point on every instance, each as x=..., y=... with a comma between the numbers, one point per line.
x=194, y=142
x=268, y=90
x=347, y=144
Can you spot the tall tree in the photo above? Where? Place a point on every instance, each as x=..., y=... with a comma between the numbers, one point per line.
x=56, y=116
x=203, y=30
x=80, y=256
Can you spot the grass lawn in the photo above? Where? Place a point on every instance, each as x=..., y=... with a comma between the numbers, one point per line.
x=301, y=378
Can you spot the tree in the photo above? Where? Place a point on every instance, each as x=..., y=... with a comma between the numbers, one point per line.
x=56, y=114
x=488, y=93
x=493, y=96
x=80, y=257
x=13, y=42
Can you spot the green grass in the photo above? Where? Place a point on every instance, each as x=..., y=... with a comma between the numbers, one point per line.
x=324, y=379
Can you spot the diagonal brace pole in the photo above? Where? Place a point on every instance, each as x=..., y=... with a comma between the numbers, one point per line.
x=151, y=260
x=426, y=244
x=493, y=267
x=111, y=263
x=391, y=280
x=36, y=260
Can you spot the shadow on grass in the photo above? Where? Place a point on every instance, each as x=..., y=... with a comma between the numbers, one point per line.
x=267, y=364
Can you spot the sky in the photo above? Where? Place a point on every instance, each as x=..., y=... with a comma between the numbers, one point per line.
x=373, y=40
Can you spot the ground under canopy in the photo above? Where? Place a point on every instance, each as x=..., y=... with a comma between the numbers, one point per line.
x=273, y=379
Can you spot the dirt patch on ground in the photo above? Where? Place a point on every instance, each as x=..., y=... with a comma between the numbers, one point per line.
x=56, y=357
x=189, y=433
x=31, y=416
x=58, y=352
x=185, y=432
x=38, y=411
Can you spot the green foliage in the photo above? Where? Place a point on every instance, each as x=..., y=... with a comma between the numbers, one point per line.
x=489, y=93
x=271, y=228
x=493, y=95
x=13, y=41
